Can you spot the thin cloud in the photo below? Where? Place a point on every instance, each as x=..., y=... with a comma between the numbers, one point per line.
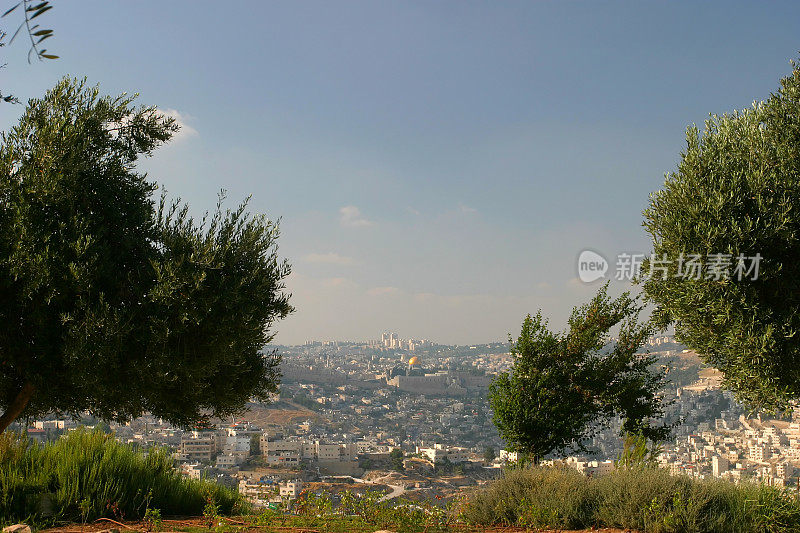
x=330, y=258
x=383, y=291
x=350, y=216
x=342, y=283
x=575, y=283
x=466, y=210
x=185, y=130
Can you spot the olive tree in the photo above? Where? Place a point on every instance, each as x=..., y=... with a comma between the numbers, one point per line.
x=732, y=209
x=112, y=301
x=565, y=386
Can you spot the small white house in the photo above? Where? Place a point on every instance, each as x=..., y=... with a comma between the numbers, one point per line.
x=291, y=489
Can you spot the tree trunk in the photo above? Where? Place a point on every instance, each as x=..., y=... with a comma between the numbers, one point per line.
x=16, y=406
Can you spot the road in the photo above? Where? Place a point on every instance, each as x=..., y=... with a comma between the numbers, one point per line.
x=397, y=490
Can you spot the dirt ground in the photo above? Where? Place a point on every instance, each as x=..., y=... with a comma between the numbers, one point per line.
x=283, y=413
x=197, y=524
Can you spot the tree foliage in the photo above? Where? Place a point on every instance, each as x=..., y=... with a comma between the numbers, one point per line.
x=114, y=303
x=736, y=191
x=636, y=453
x=396, y=458
x=489, y=454
x=565, y=386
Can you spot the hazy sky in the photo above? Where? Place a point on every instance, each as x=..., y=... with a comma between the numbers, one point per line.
x=437, y=166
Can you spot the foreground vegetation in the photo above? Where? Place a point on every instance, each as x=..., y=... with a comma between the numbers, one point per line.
x=348, y=511
x=88, y=475
x=643, y=499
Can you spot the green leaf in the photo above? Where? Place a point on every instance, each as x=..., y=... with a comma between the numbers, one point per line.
x=15, y=6
x=41, y=11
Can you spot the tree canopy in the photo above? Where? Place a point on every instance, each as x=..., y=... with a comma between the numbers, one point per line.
x=565, y=386
x=734, y=201
x=115, y=303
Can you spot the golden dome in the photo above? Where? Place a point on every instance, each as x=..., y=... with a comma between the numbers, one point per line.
x=414, y=360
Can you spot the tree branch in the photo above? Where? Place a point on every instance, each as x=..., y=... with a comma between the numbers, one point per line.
x=17, y=405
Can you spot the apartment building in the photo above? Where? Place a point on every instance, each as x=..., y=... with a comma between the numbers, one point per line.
x=199, y=447
x=440, y=453
x=290, y=489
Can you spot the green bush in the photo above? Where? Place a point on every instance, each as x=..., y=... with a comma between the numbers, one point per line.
x=556, y=497
x=643, y=499
x=88, y=475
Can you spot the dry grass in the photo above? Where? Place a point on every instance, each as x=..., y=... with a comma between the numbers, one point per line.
x=642, y=499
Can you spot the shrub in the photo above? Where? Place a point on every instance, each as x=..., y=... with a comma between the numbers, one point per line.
x=643, y=499
x=88, y=475
x=557, y=497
